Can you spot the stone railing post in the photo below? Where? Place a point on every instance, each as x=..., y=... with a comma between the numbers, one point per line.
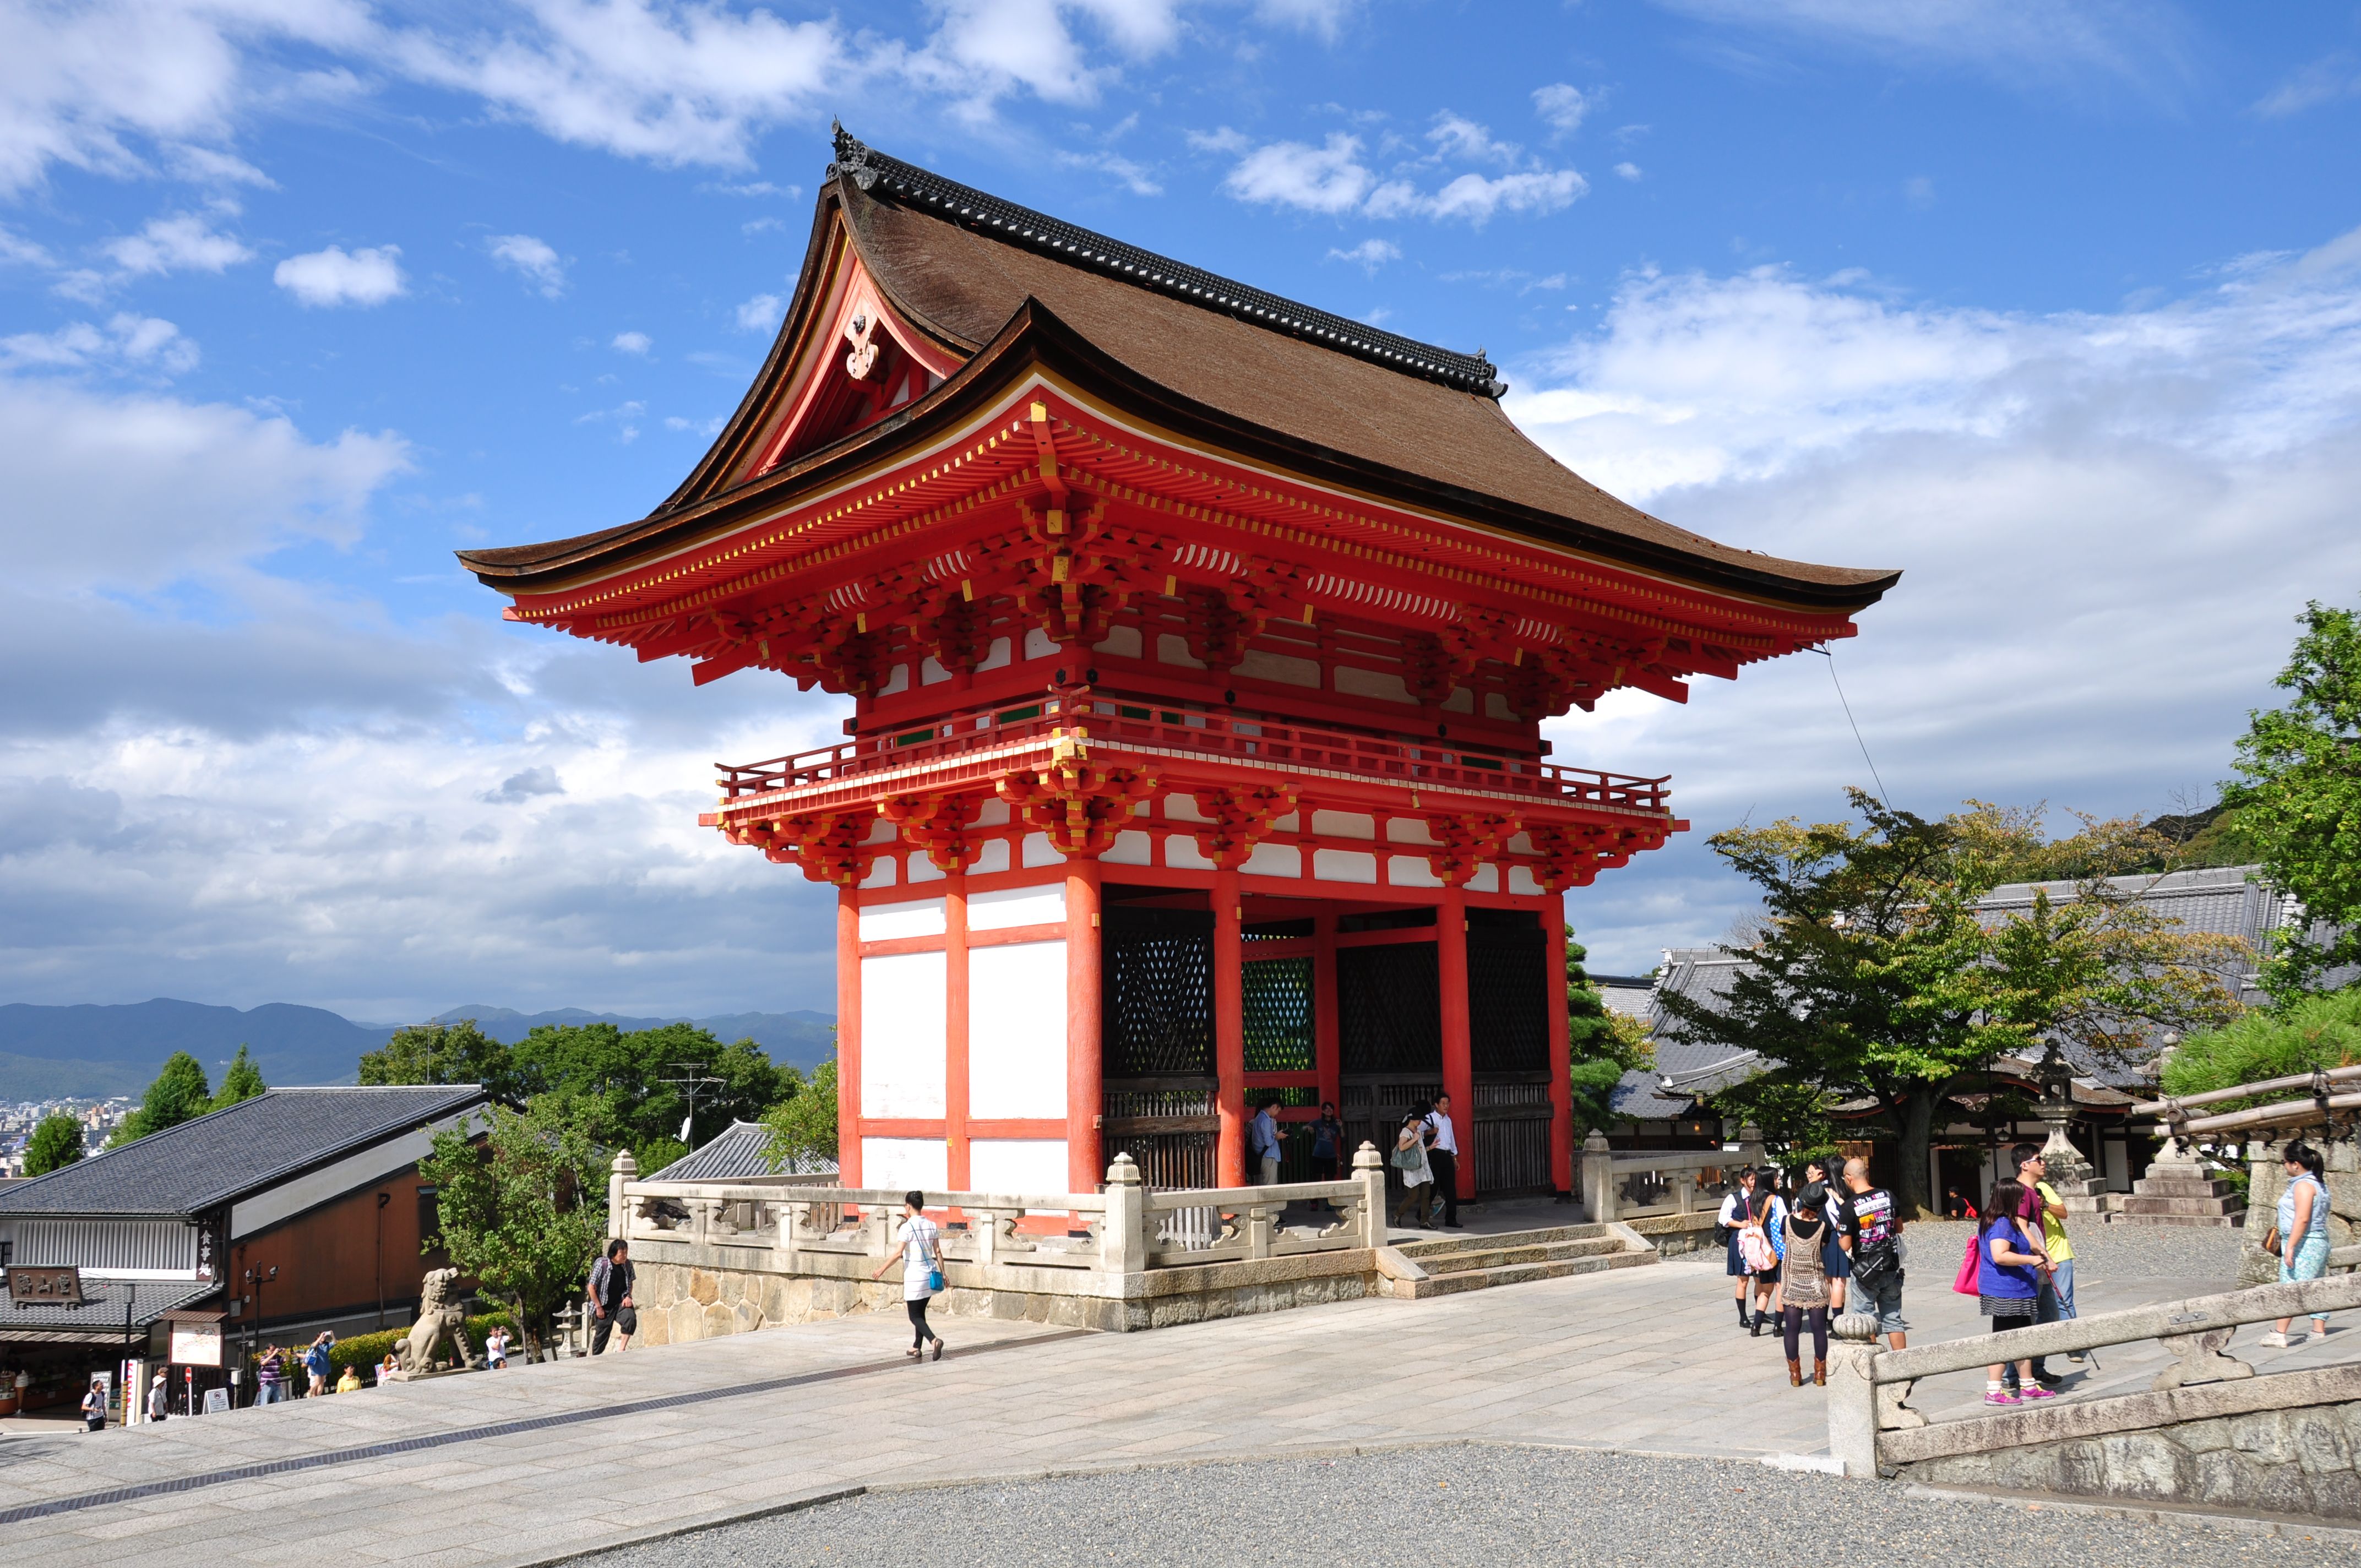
x=619, y=1211
x=1852, y=1395
x=1123, y=1239
x=1370, y=1170
x=1749, y=1144
x=1598, y=1178
x=1685, y=1186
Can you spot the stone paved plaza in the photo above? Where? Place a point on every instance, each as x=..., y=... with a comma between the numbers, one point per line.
x=536, y=1463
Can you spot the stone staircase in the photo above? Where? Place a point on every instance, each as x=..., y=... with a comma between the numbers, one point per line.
x=1453, y=1264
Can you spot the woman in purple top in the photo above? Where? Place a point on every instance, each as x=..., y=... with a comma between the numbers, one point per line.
x=2008, y=1284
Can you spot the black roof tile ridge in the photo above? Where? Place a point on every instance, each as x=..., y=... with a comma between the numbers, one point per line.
x=1077, y=246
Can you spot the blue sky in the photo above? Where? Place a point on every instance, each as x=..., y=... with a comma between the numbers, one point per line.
x=2056, y=306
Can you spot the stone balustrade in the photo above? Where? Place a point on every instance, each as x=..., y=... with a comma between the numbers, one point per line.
x=2205, y=1431
x=1642, y=1184
x=721, y=1256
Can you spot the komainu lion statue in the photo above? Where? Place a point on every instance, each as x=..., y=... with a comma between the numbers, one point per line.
x=437, y=1316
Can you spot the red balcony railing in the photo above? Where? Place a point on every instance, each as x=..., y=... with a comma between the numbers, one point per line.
x=1112, y=722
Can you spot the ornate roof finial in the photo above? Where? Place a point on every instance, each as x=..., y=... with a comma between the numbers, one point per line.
x=852, y=157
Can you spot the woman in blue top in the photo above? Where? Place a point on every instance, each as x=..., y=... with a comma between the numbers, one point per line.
x=2008, y=1283
x=2303, y=1232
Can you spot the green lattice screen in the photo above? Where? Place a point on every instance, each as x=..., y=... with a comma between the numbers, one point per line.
x=1278, y=996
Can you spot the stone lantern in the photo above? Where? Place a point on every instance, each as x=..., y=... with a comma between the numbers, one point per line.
x=2077, y=1184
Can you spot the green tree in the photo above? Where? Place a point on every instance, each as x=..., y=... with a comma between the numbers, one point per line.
x=1863, y=978
x=178, y=1093
x=444, y=1053
x=1603, y=1045
x=243, y=1081
x=614, y=1085
x=803, y=1124
x=55, y=1144
x=2321, y=1030
x=2298, y=798
x=523, y=1209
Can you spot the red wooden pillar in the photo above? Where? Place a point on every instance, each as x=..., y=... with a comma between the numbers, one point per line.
x=1085, y=1070
x=1323, y=1018
x=955, y=1073
x=1563, y=1131
x=1229, y=1029
x=848, y=1039
x=1458, y=1058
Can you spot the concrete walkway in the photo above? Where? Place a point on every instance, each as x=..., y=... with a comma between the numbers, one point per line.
x=525, y=1466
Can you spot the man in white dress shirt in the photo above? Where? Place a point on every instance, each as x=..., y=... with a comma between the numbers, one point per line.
x=1443, y=1153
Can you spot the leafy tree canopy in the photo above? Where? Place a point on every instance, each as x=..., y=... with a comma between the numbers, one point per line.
x=2317, y=1031
x=523, y=1209
x=613, y=1085
x=1603, y=1044
x=2298, y=797
x=241, y=1080
x=444, y=1053
x=55, y=1144
x=803, y=1124
x=178, y=1093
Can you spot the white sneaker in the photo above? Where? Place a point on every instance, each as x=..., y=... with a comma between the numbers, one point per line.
x=2278, y=1341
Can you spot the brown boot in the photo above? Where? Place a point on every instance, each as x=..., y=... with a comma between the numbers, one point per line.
x=1820, y=1373
x=1795, y=1373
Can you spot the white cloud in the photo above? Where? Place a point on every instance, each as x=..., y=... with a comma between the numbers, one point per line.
x=1478, y=198
x=369, y=275
x=982, y=49
x=1456, y=136
x=1326, y=179
x=1133, y=177
x=1325, y=17
x=2019, y=41
x=1561, y=107
x=16, y=251
x=762, y=313
x=127, y=343
x=1369, y=255
x=185, y=242
x=631, y=343
x=531, y=260
x=2106, y=520
x=2321, y=82
x=1626, y=171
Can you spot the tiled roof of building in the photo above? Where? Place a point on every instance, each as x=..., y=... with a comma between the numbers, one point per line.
x=101, y=1315
x=742, y=1150
x=244, y=1148
x=1696, y=1067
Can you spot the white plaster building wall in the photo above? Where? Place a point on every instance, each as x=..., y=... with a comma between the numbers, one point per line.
x=1021, y=1167
x=1003, y=908
x=1017, y=1031
x=919, y=917
x=903, y=1022
x=900, y=1164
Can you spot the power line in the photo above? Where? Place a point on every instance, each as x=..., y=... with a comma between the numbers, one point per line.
x=1830, y=654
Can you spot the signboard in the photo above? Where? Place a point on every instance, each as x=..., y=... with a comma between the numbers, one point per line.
x=217, y=1401
x=196, y=1344
x=41, y=1284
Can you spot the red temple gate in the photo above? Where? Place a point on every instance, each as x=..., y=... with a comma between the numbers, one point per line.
x=1198, y=643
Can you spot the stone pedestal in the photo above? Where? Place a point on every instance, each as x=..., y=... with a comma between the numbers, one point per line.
x=2177, y=1191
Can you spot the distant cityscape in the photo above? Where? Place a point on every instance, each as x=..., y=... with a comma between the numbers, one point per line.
x=99, y=1118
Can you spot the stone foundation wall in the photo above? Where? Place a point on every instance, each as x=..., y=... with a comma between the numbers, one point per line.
x=1675, y=1234
x=2301, y=1461
x=686, y=1293
x=2268, y=1179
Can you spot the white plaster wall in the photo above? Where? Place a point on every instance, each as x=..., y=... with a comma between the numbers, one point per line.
x=1343, y=825
x=1412, y=870
x=1274, y=859
x=1180, y=853
x=991, y=856
x=1344, y=865
x=1037, y=644
x=996, y=655
x=1123, y=640
x=1130, y=850
x=899, y=1164
x=881, y=871
x=1010, y=906
x=883, y=922
x=1025, y=1168
x=1284, y=668
x=1038, y=851
x=920, y=867
x=1017, y=1031
x=1520, y=880
x=902, y=1026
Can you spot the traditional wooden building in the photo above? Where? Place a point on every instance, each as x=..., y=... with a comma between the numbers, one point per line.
x=1198, y=643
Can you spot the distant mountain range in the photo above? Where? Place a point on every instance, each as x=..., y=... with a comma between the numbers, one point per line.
x=94, y=1051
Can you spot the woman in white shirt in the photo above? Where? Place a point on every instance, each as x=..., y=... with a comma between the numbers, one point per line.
x=1731, y=1220
x=917, y=1243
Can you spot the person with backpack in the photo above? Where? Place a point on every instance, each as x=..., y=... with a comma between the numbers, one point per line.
x=918, y=1248
x=1726, y=1224
x=1759, y=1241
x=93, y=1406
x=1876, y=1254
x=319, y=1364
x=2008, y=1287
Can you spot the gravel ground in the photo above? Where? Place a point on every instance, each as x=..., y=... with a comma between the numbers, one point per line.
x=1479, y=1506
